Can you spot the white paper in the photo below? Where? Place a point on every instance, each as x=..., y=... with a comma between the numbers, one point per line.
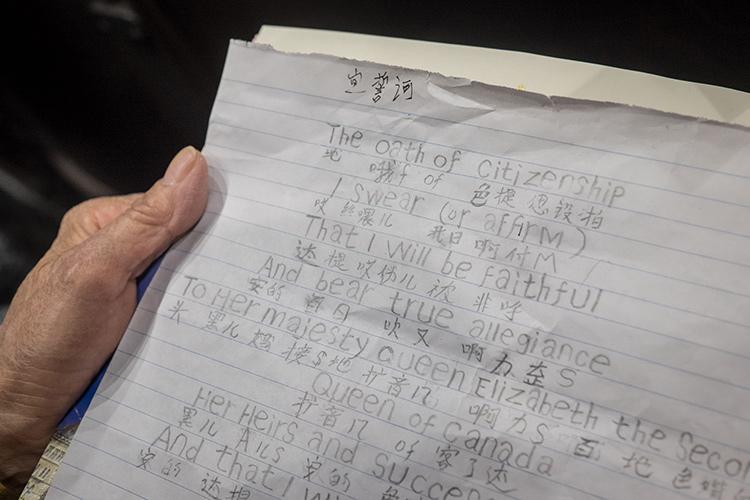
x=433, y=288
x=521, y=70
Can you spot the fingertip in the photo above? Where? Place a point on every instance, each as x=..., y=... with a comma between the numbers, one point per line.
x=191, y=193
x=182, y=165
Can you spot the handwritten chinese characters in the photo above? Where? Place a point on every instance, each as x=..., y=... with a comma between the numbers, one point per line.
x=382, y=84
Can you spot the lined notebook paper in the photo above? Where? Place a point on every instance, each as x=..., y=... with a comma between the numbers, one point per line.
x=408, y=286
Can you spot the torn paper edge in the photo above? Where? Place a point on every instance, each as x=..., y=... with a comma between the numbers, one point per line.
x=557, y=102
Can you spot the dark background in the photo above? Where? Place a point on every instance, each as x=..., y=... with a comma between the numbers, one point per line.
x=97, y=95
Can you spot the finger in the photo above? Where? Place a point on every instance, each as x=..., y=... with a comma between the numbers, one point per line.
x=123, y=249
x=86, y=219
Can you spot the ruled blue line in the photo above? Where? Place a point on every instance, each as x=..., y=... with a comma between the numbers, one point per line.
x=595, y=259
x=609, y=320
x=558, y=276
x=78, y=440
x=486, y=179
x=421, y=350
x=89, y=417
x=656, y=393
x=491, y=129
x=472, y=311
x=53, y=487
x=417, y=376
x=545, y=220
x=278, y=382
x=207, y=438
x=276, y=410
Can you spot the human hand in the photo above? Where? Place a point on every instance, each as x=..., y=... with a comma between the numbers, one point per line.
x=71, y=310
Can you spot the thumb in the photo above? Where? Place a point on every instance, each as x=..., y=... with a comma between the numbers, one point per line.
x=125, y=247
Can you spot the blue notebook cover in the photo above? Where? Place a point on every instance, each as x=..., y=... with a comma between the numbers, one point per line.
x=75, y=414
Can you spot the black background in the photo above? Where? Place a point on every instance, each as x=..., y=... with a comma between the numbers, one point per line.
x=96, y=96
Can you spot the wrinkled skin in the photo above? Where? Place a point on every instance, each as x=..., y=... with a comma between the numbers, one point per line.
x=71, y=310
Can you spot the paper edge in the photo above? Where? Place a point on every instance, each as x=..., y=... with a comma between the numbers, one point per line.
x=554, y=100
